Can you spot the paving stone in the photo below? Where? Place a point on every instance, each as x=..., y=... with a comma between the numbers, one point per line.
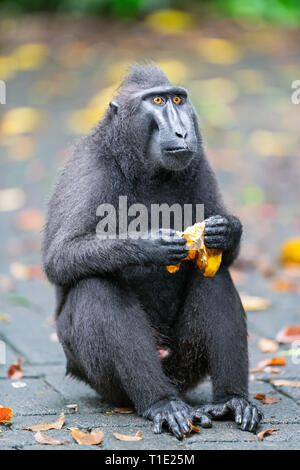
x=37, y=398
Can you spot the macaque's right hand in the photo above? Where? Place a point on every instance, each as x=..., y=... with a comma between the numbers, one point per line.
x=163, y=247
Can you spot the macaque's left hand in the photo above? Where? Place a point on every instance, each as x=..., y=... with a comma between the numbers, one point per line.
x=219, y=233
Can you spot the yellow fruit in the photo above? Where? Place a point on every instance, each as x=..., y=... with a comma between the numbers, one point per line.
x=207, y=260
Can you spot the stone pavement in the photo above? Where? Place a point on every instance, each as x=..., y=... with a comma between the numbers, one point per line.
x=261, y=187
x=48, y=391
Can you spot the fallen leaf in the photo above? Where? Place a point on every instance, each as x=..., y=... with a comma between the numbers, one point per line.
x=255, y=370
x=123, y=410
x=289, y=334
x=19, y=384
x=11, y=199
x=286, y=383
x=15, y=371
x=267, y=345
x=5, y=414
x=46, y=426
x=253, y=303
x=275, y=361
x=42, y=438
x=193, y=428
x=272, y=370
x=286, y=285
x=21, y=121
x=290, y=251
x=54, y=337
x=30, y=56
x=267, y=432
x=6, y=283
x=73, y=406
x=30, y=219
x=93, y=438
x=4, y=317
x=266, y=400
x=23, y=272
x=123, y=437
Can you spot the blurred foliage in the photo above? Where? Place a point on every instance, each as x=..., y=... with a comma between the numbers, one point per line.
x=284, y=12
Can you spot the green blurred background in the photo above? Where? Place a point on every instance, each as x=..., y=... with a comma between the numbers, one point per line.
x=284, y=12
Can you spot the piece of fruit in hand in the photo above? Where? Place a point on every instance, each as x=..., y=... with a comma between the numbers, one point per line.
x=207, y=260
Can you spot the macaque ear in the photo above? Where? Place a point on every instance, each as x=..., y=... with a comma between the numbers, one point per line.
x=113, y=107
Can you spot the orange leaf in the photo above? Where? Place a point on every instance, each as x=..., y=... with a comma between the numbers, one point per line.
x=123, y=437
x=265, y=399
x=15, y=371
x=289, y=334
x=286, y=285
x=275, y=361
x=5, y=414
x=93, y=438
x=267, y=432
x=46, y=426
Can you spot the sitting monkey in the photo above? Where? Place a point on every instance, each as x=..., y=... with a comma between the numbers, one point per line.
x=137, y=334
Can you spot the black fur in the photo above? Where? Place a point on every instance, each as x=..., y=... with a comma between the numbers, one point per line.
x=116, y=303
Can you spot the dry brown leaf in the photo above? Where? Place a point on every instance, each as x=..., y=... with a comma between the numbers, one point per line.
x=193, y=428
x=286, y=383
x=46, y=426
x=286, y=285
x=274, y=361
x=253, y=303
x=93, y=438
x=272, y=370
x=15, y=371
x=123, y=437
x=266, y=400
x=267, y=432
x=124, y=411
x=73, y=406
x=267, y=345
x=289, y=334
x=42, y=438
x=5, y=414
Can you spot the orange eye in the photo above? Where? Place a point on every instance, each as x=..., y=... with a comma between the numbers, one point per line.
x=176, y=99
x=157, y=100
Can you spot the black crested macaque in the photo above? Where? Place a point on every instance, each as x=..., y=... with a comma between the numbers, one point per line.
x=136, y=333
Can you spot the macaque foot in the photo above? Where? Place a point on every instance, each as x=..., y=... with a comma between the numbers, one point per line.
x=176, y=415
x=245, y=413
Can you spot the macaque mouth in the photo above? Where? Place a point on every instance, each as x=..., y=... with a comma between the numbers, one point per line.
x=177, y=150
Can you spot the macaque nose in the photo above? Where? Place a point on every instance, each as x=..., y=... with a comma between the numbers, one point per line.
x=182, y=134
